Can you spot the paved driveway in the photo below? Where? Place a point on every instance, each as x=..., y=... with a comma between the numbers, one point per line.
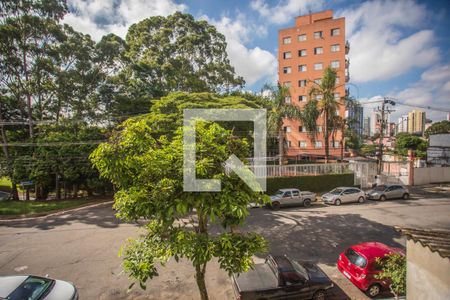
x=82, y=247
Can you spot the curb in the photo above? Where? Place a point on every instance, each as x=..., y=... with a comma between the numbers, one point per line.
x=58, y=213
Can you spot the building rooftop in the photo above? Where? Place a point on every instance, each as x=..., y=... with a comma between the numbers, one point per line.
x=437, y=240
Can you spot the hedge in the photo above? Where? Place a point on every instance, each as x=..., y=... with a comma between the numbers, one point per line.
x=319, y=183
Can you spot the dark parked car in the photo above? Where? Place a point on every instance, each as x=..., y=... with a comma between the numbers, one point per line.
x=280, y=277
x=388, y=191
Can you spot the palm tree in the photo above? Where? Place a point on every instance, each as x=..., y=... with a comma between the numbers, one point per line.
x=279, y=109
x=327, y=105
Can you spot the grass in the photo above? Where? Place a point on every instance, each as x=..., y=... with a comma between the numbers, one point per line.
x=34, y=207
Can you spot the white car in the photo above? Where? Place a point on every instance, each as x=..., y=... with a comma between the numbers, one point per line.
x=344, y=195
x=29, y=287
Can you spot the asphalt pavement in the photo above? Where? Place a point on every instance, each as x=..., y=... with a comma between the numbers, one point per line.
x=82, y=246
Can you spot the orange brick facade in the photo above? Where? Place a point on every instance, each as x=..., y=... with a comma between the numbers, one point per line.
x=304, y=51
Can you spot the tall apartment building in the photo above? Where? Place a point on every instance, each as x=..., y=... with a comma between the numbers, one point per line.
x=355, y=115
x=416, y=121
x=366, y=126
x=304, y=51
x=402, y=125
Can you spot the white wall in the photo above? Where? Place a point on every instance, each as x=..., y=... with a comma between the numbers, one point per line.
x=431, y=175
x=427, y=273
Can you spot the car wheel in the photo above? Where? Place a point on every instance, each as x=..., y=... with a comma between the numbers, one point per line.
x=374, y=290
x=361, y=199
x=319, y=295
x=382, y=198
x=337, y=202
x=276, y=205
x=306, y=203
x=405, y=196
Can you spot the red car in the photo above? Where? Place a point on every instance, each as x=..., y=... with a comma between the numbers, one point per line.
x=358, y=264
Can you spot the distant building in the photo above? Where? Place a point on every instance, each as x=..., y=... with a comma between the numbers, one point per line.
x=392, y=128
x=416, y=121
x=402, y=125
x=428, y=123
x=438, y=151
x=355, y=116
x=366, y=126
x=375, y=123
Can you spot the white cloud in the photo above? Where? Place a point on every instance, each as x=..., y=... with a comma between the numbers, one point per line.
x=433, y=89
x=380, y=49
x=285, y=11
x=99, y=17
x=251, y=63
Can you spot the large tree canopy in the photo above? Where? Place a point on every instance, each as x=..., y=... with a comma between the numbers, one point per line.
x=178, y=53
x=146, y=166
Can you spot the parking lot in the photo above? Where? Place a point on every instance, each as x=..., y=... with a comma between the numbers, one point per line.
x=82, y=247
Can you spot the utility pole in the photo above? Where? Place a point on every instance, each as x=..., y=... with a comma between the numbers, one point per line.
x=384, y=112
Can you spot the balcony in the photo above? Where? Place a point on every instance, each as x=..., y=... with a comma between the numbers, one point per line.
x=347, y=47
x=347, y=63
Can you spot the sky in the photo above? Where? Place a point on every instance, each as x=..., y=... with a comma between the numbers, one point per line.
x=399, y=49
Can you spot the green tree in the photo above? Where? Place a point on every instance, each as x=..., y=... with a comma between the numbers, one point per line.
x=279, y=109
x=148, y=174
x=406, y=141
x=393, y=267
x=438, y=127
x=327, y=105
x=177, y=53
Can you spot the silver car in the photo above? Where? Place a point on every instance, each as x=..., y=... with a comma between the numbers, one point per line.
x=388, y=191
x=344, y=195
x=34, y=287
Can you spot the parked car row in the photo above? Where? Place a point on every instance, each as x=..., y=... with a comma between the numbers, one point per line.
x=281, y=277
x=295, y=197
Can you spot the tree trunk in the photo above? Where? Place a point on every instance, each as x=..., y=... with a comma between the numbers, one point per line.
x=75, y=190
x=327, y=150
x=200, y=271
x=57, y=187
x=280, y=146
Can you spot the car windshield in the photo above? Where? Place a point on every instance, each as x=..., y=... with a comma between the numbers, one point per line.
x=355, y=258
x=31, y=289
x=279, y=193
x=336, y=192
x=380, y=188
x=299, y=269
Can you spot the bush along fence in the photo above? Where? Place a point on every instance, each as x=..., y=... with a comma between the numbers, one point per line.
x=319, y=183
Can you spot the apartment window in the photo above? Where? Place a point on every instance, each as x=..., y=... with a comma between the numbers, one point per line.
x=318, y=35
x=335, y=64
x=318, y=50
x=302, y=83
x=302, y=98
x=335, y=48
x=287, y=84
x=318, y=81
x=318, y=144
x=302, y=144
x=319, y=97
x=287, y=40
x=335, y=144
x=287, y=129
x=302, y=68
x=302, y=52
x=287, y=99
x=335, y=31
x=289, y=144
x=319, y=128
x=337, y=96
x=287, y=55
x=337, y=79
x=318, y=66
x=287, y=70
x=302, y=37
x=301, y=128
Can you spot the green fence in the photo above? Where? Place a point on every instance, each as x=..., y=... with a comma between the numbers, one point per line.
x=319, y=183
